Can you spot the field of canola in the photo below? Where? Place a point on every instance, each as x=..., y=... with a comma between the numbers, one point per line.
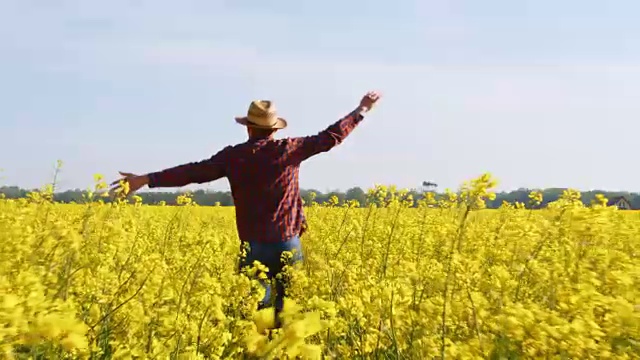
x=107, y=281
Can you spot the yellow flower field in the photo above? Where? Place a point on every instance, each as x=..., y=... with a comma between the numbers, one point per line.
x=119, y=281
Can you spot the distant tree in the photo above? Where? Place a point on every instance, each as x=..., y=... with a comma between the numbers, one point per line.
x=224, y=198
x=356, y=193
x=428, y=184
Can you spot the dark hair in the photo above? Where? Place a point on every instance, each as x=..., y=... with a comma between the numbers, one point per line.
x=259, y=132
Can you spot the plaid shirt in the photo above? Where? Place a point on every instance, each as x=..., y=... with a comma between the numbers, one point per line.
x=263, y=174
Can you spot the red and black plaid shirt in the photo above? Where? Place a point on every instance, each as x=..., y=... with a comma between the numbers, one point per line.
x=263, y=174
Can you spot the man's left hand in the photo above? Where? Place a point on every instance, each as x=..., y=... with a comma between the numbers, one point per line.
x=135, y=182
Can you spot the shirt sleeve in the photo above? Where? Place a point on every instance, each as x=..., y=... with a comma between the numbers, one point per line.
x=192, y=173
x=303, y=148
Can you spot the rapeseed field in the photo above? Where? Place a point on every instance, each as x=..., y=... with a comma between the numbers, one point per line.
x=386, y=281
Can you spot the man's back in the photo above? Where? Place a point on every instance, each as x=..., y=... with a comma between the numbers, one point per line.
x=264, y=183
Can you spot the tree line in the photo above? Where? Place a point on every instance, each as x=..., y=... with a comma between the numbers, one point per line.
x=224, y=198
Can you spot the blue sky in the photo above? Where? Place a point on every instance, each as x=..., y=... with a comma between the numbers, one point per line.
x=540, y=93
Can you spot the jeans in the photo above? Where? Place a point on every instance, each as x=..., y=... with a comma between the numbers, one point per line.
x=269, y=255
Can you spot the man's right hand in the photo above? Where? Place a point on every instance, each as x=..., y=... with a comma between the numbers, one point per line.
x=368, y=101
x=135, y=182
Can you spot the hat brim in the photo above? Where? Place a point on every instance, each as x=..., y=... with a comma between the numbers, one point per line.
x=280, y=124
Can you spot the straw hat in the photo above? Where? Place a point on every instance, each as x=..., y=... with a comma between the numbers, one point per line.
x=262, y=114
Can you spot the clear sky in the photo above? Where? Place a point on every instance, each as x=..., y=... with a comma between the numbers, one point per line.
x=541, y=93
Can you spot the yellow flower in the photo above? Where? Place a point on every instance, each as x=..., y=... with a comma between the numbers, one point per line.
x=126, y=281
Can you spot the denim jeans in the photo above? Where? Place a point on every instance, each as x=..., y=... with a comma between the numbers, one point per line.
x=269, y=255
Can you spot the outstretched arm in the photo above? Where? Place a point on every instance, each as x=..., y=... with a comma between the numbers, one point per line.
x=308, y=146
x=192, y=173
x=195, y=172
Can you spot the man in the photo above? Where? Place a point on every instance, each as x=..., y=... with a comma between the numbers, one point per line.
x=263, y=174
